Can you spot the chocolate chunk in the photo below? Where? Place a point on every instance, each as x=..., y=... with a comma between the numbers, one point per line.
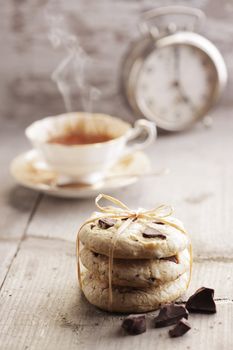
x=106, y=223
x=202, y=301
x=169, y=314
x=151, y=279
x=171, y=258
x=134, y=324
x=124, y=219
x=153, y=233
x=92, y=226
x=182, y=327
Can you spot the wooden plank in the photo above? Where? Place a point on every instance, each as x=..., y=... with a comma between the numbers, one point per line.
x=7, y=252
x=16, y=203
x=42, y=275
x=210, y=273
x=58, y=218
x=208, y=332
x=199, y=187
x=41, y=307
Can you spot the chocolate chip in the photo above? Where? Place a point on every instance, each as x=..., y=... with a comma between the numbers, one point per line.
x=153, y=233
x=92, y=226
x=182, y=327
x=151, y=279
x=172, y=259
x=134, y=324
x=202, y=301
x=158, y=223
x=106, y=223
x=95, y=254
x=169, y=314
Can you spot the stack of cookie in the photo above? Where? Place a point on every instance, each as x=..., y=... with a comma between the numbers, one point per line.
x=151, y=264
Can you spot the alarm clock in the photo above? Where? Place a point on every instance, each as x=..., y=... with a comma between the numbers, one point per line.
x=173, y=75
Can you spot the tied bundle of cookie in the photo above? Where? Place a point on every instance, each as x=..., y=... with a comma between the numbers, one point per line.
x=134, y=261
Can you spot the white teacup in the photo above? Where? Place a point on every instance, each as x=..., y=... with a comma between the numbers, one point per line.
x=87, y=163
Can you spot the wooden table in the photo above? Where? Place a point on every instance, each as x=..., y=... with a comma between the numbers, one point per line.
x=41, y=306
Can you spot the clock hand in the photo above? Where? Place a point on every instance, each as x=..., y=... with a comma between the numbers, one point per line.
x=177, y=82
x=185, y=98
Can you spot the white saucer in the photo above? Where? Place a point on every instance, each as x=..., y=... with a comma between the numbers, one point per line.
x=29, y=170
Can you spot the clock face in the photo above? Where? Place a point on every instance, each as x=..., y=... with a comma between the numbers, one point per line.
x=176, y=85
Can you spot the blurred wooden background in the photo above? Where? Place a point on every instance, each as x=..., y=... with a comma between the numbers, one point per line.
x=104, y=29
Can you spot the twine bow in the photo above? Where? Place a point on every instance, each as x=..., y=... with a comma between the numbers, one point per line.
x=121, y=211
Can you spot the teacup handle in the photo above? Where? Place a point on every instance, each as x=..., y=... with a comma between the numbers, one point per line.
x=140, y=126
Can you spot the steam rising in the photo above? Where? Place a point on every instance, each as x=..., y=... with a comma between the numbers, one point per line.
x=70, y=74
